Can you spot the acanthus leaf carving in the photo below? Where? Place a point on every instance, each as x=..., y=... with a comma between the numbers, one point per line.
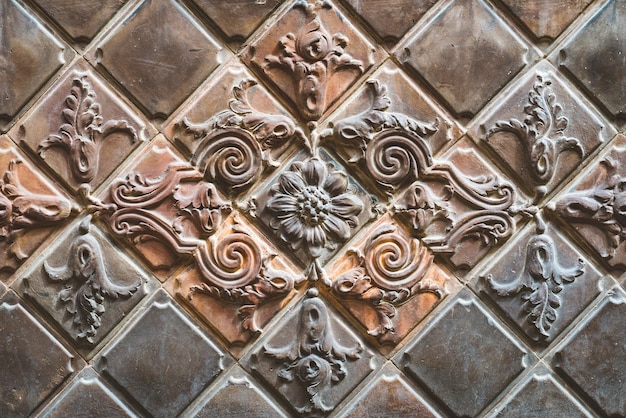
x=315, y=358
x=390, y=270
x=234, y=143
x=311, y=57
x=88, y=283
x=540, y=282
x=81, y=134
x=541, y=134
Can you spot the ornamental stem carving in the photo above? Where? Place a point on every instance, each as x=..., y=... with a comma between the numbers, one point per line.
x=311, y=57
x=83, y=131
x=541, y=134
x=315, y=358
x=540, y=282
x=87, y=282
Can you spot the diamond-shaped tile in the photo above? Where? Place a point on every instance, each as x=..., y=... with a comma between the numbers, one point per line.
x=163, y=360
x=547, y=19
x=82, y=129
x=391, y=19
x=237, y=18
x=542, y=283
x=464, y=358
x=467, y=54
x=595, y=56
x=85, y=284
x=32, y=362
x=595, y=358
x=237, y=395
x=83, y=21
x=542, y=396
x=311, y=358
x=29, y=55
x=389, y=395
x=542, y=130
x=87, y=396
x=312, y=54
x=147, y=55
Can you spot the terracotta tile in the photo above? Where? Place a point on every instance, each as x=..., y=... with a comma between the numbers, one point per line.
x=31, y=55
x=465, y=63
x=162, y=360
x=146, y=55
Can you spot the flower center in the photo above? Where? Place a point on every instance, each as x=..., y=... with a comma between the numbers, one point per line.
x=313, y=205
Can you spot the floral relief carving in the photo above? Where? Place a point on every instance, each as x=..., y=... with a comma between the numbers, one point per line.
x=88, y=283
x=541, y=134
x=391, y=269
x=315, y=358
x=540, y=282
x=83, y=131
x=233, y=144
x=312, y=56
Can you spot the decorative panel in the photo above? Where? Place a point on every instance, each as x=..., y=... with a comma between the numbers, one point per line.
x=315, y=208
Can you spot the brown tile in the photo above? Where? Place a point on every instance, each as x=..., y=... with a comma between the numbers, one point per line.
x=311, y=358
x=594, y=358
x=464, y=358
x=86, y=284
x=87, y=395
x=82, y=130
x=33, y=362
x=595, y=56
x=468, y=62
x=162, y=360
x=312, y=54
x=82, y=22
x=31, y=55
x=149, y=58
x=542, y=130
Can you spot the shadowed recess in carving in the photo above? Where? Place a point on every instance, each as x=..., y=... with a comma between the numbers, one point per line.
x=88, y=283
x=81, y=134
x=315, y=358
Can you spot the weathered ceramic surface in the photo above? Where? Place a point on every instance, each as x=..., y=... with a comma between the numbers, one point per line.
x=312, y=208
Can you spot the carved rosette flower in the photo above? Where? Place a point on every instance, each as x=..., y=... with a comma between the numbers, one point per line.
x=312, y=207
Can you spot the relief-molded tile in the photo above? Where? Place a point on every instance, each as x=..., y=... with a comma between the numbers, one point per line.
x=87, y=396
x=595, y=204
x=237, y=395
x=29, y=55
x=389, y=395
x=542, y=396
x=541, y=282
x=32, y=362
x=391, y=19
x=547, y=19
x=30, y=208
x=312, y=54
x=594, y=357
x=83, y=21
x=389, y=282
x=147, y=55
x=82, y=130
x=237, y=18
x=467, y=54
x=311, y=358
x=542, y=130
x=86, y=284
x=162, y=360
x=595, y=56
x=464, y=358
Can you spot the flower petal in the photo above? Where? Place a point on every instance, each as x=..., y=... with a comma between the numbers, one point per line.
x=282, y=204
x=336, y=183
x=346, y=205
x=315, y=240
x=336, y=227
x=314, y=172
x=292, y=183
x=293, y=228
